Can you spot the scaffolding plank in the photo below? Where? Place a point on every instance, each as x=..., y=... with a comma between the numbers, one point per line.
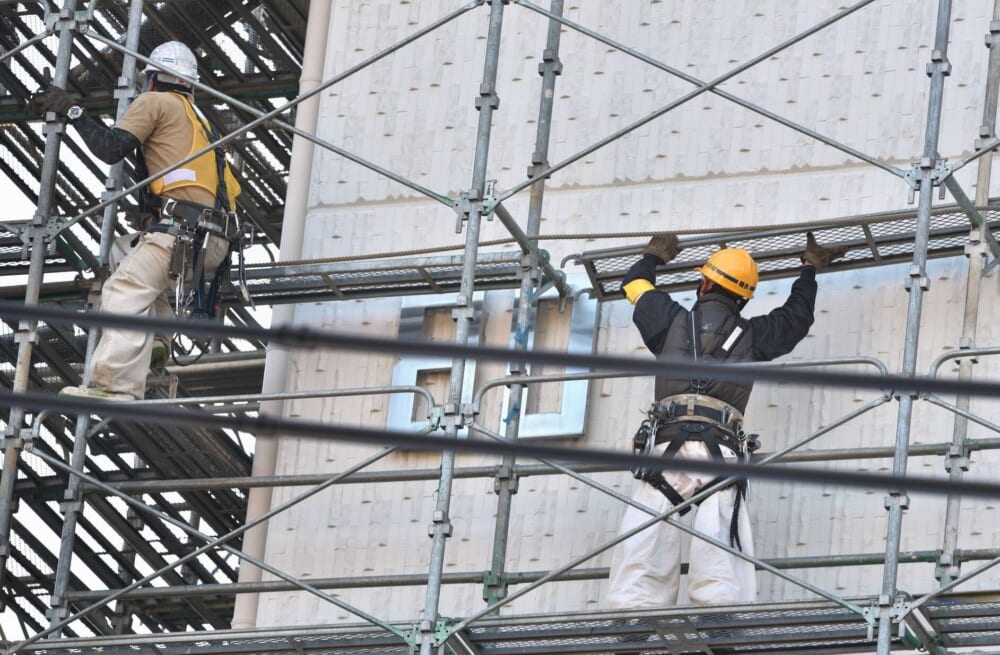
x=275, y=284
x=787, y=628
x=872, y=239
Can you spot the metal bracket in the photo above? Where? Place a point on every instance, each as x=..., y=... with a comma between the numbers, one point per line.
x=54, y=226
x=7, y=442
x=490, y=199
x=941, y=172
x=957, y=455
x=26, y=336
x=494, y=587
x=78, y=21
x=938, y=64
x=487, y=96
x=893, y=499
x=912, y=179
x=504, y=473
x=468, y=202
x=919, y=276
x=439, y=524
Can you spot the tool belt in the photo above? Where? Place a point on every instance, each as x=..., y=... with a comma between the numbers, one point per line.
x=181, y=216
x=689, y=406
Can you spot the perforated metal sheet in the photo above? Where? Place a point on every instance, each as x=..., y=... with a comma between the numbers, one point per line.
x=779, y=628
x=872, y=239
x=269, y=285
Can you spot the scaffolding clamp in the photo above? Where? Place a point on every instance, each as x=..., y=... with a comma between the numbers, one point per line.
x=919, y=275
x=958, y=454
x=490, y=199
x=468, y=203
x=77, y=21
x=939, y=64
x=439, y=524
x=494, y=587
x=896, y=499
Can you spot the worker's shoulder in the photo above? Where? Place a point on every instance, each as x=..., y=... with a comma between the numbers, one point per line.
x=163, y=102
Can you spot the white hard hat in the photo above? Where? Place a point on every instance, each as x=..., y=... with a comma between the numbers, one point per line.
x=175, y=56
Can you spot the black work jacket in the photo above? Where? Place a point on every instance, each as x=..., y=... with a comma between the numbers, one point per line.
x=666, y=329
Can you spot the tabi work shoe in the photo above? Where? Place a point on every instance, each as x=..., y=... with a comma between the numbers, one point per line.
x=95, y=393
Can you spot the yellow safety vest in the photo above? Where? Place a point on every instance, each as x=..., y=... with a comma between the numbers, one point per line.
x=200, y=172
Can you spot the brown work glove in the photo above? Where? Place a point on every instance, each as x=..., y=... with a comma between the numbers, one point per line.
x=54, y=99
x=819, y=257
x=663, y=246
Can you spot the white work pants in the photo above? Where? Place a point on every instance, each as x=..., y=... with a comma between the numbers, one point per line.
x=646, y=568
x=121, y=359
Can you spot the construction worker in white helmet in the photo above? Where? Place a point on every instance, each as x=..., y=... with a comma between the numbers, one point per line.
x=701, y=419
x=191, y=209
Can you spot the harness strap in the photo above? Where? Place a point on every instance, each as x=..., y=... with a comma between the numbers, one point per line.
x=656, y=480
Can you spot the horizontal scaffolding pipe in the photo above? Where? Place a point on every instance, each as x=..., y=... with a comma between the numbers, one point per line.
x=305, y=337
x=526, y=577
x=468, y=472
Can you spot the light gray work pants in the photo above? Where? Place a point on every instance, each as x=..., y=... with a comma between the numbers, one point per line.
x=121, y=360
x=646, y=568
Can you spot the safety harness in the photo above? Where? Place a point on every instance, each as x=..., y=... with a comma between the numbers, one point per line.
x=694, y=416
x=193, y=225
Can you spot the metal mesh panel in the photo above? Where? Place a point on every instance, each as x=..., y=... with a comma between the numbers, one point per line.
x=871, y=240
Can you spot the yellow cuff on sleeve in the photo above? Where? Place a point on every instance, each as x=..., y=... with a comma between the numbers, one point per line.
x=636, y=288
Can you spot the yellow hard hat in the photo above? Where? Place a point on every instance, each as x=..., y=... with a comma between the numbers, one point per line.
x=732, y=269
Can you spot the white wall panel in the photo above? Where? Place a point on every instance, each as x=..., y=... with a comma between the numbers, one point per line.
x=705, y=165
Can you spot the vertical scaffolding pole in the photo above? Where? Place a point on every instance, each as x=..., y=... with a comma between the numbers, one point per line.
x=957, y=459
x=896, y=502
x=72, y=504
x=27, y=332
x=440, y=528
x=276, y=362
x=495, y=585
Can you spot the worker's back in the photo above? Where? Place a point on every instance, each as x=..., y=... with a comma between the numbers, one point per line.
x=721, y=335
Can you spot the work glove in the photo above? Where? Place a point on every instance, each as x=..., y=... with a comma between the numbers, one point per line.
x=663, y=246
x=54, y=99
x=819, y=257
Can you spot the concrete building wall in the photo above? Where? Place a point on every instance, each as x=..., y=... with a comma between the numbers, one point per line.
x=707, y=164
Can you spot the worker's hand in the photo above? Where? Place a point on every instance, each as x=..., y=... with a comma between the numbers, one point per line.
x=663, y=246
x=819, y=257
x=54, y=99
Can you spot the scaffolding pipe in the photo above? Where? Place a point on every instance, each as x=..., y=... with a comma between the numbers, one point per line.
x=514, y=578
x=505, y=482
x=833, y=143
x=957, y=460
x=270, y=116
x=896, y=502
x=528, y=241
x=27, y=333
x=707, y=86
x=221, y=541
x=19, y=646
x=487, y=102
x=277, y=359
x=677, y=508
x=72, y=504
x=758, y=563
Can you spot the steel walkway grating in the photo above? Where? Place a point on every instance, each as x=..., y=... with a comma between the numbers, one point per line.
x=873, y=239
x=305, y=282
x=790, y=628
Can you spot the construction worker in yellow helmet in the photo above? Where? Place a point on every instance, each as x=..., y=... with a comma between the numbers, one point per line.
x=191, y=214
x=701, y=418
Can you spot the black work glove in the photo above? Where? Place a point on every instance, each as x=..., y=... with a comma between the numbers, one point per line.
x=54, y=99
x=663, y=246
x=819, y=257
